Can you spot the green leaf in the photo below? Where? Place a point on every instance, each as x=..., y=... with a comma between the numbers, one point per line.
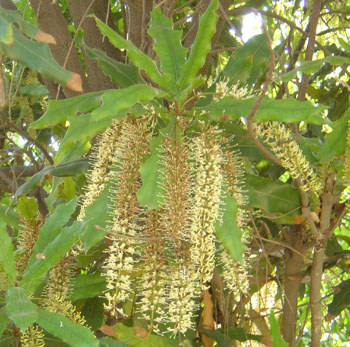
x=109, y=342
x=335, y=142
x=167, y=45
x=88, y=286
x=6, y=32
x=341, y=299
x=9, y=215
x=139, y=59
x=69, y=332
x=70, y=168
x=274, y=198
x=226, y=338
x=7, y=259
x=201, y=46
x=123, y=75
x=93, y=312
x=285, y=110
x=51, y=255
x=4, y=319
x=19, y=308
x=69, y=188
x=37, y=56
x=34, y=90
x=313, y=66
x=128, y=335
x=96, y=214
x=227, y=229
x=104, y=107
x=150, y=193
x=52, y=227
x=27, y=207
x=247, y=62
x=275, y=332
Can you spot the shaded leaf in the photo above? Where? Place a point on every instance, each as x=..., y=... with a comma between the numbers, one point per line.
x=96, y=214
x=227, y=338
x=274, y=198
x=51, y=255
x=69, y=332
x=150, y=192
x=108, y=342
x=284, y=110
x=123, y=75
x=335, y=142
x=93, y=312
x=227, y=229
x=139, y=59
x=201, y=46
x=341, y=299
x=88, y=286
x=70, y=168
x=167, y=45
x=275, y=332
x=19, y=308
x=6, y=32
x=7, y=259
x=4, y=319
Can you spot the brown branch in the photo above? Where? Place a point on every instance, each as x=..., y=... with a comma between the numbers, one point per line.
x=27, y=136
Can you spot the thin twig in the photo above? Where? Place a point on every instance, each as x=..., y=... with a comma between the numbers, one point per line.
x=27, y=136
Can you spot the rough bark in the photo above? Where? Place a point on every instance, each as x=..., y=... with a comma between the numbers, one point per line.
x=52, y=21
x=93, y=38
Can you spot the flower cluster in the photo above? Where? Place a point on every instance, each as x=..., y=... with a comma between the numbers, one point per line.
x=223, y=88
x=33, y=336
x=282, y=144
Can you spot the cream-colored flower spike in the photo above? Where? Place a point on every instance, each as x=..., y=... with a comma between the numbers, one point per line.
x=283, y=145
x=125, y=212
x=207, y=158
x=33, y=336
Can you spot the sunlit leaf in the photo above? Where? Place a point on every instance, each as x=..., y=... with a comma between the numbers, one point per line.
x=201, y=46
x=27, y=207
x=284, y=110
x=19, y=308
x=275, y=332
x=167, y=45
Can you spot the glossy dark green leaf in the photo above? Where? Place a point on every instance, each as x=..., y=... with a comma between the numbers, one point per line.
x=226, y=338
x=341, y=298
x=150, y=193
x=88, y=286
x=123, y=75
x=167, y=45
x=139, y=59
x=27, y=207
x=7, y=259
x=93, y=312
x=96, y=214
x=335, y=142
x=19, y=308
x=275, y=332
x=63, y=328
x=201, y=46
x=227, y=229
x=51, y=255
x=37, y=56
x=52, y=227
x=313, y=66
x=284, y=110
x=276, y=199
